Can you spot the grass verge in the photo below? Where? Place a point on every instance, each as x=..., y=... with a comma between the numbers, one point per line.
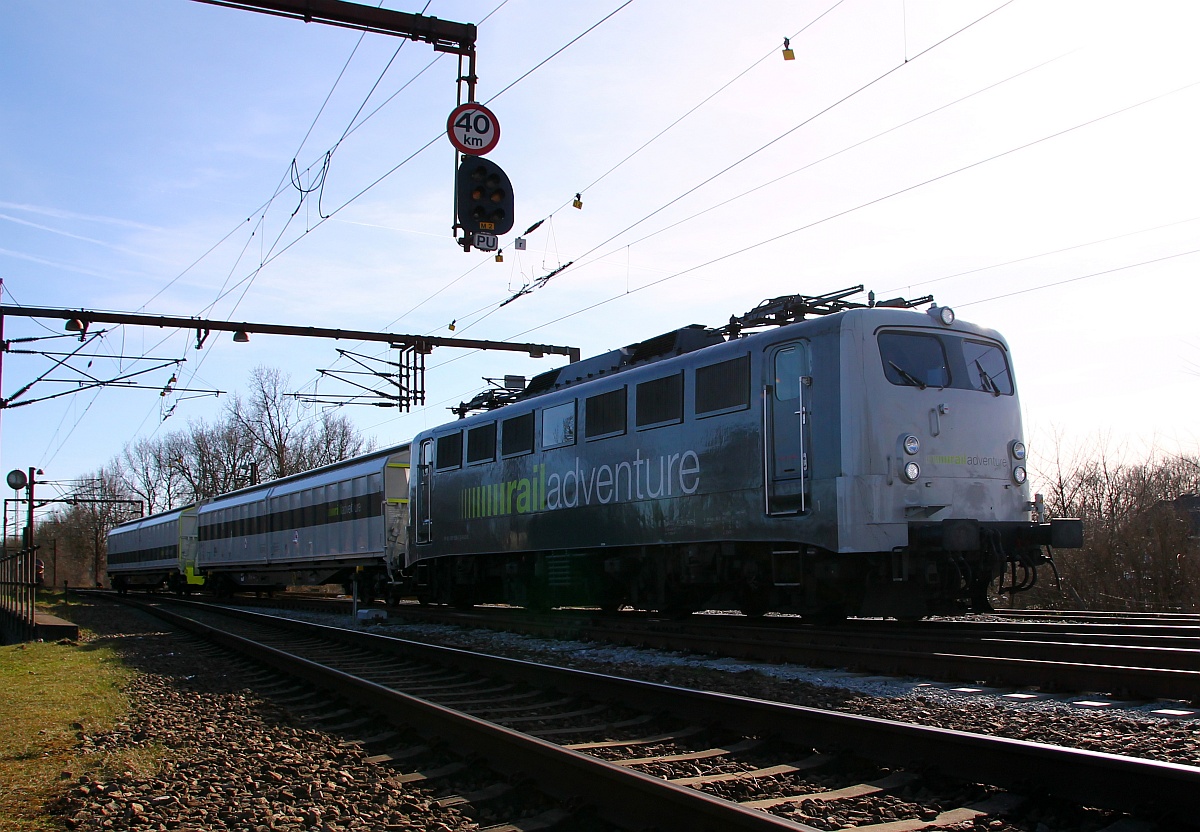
x=48, y=694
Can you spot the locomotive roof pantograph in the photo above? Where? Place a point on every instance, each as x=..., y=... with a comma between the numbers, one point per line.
x=780, y=311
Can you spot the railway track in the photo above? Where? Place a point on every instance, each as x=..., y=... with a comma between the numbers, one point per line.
x=641, y=754
x=1140, y=658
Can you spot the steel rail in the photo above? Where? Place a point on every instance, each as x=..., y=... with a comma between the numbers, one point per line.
x=1073, y=667
x=1086, y=777
x=621, y=796
x=1134, y=671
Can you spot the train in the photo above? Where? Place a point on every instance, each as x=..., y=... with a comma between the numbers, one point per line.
x=817, y=456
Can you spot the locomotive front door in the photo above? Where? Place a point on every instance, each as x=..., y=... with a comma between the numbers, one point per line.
x=786, y=412
x=422, y=517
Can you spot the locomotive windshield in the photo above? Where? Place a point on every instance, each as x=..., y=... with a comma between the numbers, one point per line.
x=919, y=359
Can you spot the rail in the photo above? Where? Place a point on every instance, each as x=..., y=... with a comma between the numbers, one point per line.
x=631, y=799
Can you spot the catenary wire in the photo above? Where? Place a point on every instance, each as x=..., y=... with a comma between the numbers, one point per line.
x=763, y=147
x=581, y=262
x=877, y=200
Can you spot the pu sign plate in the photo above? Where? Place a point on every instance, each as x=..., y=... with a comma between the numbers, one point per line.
x=473, y=129
x=485, y=242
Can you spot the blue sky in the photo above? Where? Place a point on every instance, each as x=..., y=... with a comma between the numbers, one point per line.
x=1031, y=164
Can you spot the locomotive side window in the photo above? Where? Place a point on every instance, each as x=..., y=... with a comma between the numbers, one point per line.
x=659, y=402
x=449, y=451
x=915, y=360
x=481, y=443
x=790, y=365
x=516, y=435
x=723, y=387
x=605, y=415
x=558, y=425
x=987, y=368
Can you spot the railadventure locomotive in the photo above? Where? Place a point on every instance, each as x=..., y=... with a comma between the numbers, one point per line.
x=866, y=460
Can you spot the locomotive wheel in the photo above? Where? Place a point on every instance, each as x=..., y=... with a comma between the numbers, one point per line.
x=538, y=599
x=463, y=597
x=825, y=617
x=754, y=590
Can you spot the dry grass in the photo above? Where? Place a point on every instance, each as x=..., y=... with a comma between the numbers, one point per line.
x=48, y=693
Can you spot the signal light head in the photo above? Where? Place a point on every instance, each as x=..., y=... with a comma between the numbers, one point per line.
x=485, y=197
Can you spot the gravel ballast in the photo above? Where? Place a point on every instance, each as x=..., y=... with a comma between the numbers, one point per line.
x=226, y=757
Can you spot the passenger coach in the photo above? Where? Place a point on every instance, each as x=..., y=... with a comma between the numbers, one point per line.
x=155, y=552
x=331, y=525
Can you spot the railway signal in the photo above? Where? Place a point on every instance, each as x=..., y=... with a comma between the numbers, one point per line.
x=485, y=200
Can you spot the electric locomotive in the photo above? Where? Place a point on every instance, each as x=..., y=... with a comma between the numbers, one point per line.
x=816, y=456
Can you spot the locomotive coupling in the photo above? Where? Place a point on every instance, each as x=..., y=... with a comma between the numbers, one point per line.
x=966, y=535
x=1065, y=533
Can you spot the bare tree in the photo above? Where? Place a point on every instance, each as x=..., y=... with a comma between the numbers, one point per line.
x=149, y=473
x=285, y=440
x=212, y=459
x=1140, y=530
x=99, y=502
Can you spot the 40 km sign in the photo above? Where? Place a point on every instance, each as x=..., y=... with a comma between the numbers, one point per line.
x=473, y=129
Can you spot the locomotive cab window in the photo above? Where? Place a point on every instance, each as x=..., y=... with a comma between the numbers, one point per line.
x=659, y=402
x=987, y=367
x=605, y=415
x=481, y=443
x=913, y=359
x=516, y=435
x=723, y=387
x=558, y=425
x=449, y=451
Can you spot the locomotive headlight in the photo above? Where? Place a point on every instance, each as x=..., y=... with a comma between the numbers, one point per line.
x=912, y=472
x=942, y=313
x=1018, y=450
x=911, y=444
x=1019, y=475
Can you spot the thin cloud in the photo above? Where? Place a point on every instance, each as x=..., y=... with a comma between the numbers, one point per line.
x=58, y=213
x=106, y=275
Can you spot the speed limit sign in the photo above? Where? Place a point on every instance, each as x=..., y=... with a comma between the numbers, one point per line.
x=473, y=129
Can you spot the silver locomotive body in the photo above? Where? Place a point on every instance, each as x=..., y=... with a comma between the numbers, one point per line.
x=867, y=462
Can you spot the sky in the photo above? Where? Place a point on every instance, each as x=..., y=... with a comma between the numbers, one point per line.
x=1032, y=164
